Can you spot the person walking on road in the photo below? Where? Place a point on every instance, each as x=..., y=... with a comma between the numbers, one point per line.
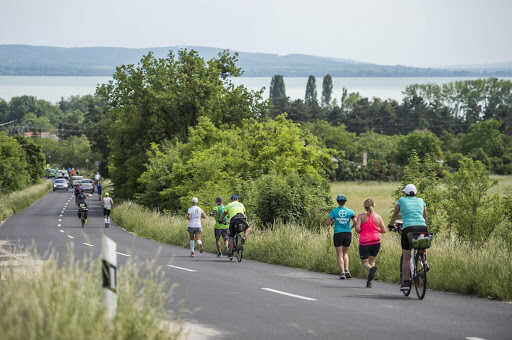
x=369, y=225
x=341, y=216
x=99, y=188
x=221, y=225
x=108, y=204
x=194, y=216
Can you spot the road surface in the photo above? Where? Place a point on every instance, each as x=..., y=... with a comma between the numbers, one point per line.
x=254, y=300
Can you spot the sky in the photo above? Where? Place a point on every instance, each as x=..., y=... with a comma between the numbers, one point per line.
x=407, y=32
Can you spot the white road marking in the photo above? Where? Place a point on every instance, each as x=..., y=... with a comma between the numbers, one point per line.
x=474, y=338
x=122, y=254
x=71, y=237
x=185, y=269
x=60, y=215
x=88, y=244
x=59, y=225
x=289, y=294
x=61, y=231
x=60, y=220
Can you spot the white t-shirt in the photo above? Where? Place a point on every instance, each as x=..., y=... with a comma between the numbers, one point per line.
x=107, y=203
x=195, y=216
x=97, y=177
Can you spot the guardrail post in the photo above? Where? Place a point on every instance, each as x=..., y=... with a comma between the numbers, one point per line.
x=109, y=274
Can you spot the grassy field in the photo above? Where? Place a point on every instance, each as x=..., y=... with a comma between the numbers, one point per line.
x=65, y=301
x=19, y=200
x=382, y=193
x=453, y=269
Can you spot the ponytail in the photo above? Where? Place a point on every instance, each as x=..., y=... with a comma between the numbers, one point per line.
x=369, y=205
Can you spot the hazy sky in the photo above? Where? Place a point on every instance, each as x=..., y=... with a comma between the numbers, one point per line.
x=409, y=32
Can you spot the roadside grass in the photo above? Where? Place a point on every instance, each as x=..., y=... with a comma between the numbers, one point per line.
x=63, y=299
x=456, y=266
x=19, y=200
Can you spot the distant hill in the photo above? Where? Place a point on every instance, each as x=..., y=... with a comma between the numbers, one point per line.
x=101, y=61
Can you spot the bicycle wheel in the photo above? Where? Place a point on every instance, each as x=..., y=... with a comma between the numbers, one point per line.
x=82, y=220
x=239, y=251
x=235, y=246
x=420, y=276
x=405, y=292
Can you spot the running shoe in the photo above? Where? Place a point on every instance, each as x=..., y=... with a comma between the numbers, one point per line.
x=371, y=273
x=405, y=286
x=348, y=275
x=342, y=276
x=192, y=254
x=219, y=254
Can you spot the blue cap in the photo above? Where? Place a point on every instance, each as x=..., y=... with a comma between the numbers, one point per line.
x=341, y=197
x=234, y=197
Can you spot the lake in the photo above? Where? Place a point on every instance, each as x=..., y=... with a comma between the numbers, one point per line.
x=53, y=88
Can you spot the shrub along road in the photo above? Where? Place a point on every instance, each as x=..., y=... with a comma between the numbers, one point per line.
x=253, y=300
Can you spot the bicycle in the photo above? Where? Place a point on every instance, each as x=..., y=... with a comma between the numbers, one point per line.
x=420, y=241
x=82, y=211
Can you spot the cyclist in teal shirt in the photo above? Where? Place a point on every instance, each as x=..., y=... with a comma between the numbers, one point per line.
x=341, y=216
x=414, y=216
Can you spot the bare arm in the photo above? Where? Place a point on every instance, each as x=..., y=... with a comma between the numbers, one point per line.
x=203, y=215
x=357, y=226
x=329, y=221
x=395, y=215
x=425, y=215
x=380, y=224
x=189, y=216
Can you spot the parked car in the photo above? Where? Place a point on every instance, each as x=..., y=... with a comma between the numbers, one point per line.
x=87, y=185
x=75, y=180
x=60, y=184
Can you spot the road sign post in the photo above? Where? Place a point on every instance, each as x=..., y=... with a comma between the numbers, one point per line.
x=109, y=274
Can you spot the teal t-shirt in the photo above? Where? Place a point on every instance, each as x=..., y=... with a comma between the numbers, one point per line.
x=411, y=209
x=341, y=217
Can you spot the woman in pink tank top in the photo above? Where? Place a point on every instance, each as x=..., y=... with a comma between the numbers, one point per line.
x=369, y=225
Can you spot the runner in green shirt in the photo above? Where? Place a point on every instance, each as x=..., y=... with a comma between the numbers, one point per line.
x=221, y=225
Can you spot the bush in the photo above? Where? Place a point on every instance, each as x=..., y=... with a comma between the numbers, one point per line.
x=19, y=200
x=290, y=198
x=13, y=165
x=471, y=211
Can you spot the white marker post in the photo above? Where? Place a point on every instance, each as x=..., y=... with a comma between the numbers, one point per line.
x=109, y=274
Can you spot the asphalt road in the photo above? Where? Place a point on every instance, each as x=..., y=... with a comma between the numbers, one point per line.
x=253, y=300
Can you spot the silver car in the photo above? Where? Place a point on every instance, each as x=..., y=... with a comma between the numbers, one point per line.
x=87, y=185
x=60, y=184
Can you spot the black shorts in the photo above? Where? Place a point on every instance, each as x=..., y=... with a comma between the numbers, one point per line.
x=365, y=251
x=221, y=232
x=342, y=239
x=106, y=212
x=406, y=237
x=237, y=225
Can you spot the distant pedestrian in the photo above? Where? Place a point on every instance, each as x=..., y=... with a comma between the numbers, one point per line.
x=99, y=188
x=221, y=225
x=369, y=225
x=194, y=216
x=342, y=237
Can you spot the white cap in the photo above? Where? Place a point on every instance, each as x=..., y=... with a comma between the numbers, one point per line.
x=194, y=200
x=410, y=189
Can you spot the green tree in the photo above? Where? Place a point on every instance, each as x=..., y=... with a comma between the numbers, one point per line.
x=34, y=157
x=159, y=99
x=277, y=90
x=424, y=143
x=472, y=212
x=13, y=167
x=327, y=90
x=311, y=96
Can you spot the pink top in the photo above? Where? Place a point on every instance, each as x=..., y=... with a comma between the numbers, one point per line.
x=369, y=232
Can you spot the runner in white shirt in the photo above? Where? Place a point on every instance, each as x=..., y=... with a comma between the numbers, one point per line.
x=194, y=216
x=108, y=204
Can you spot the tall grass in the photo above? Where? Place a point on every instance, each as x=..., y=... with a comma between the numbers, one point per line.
x=456, y=266
x=65, y=301
x=19, y=200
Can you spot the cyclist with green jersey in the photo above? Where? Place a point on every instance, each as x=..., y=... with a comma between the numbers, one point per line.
x=341, y=216
x=235, y=211
x=221, y=225
x=414, y=216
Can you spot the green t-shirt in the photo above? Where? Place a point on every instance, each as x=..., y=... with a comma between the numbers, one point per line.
x=219, y=210
x=234, y=208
